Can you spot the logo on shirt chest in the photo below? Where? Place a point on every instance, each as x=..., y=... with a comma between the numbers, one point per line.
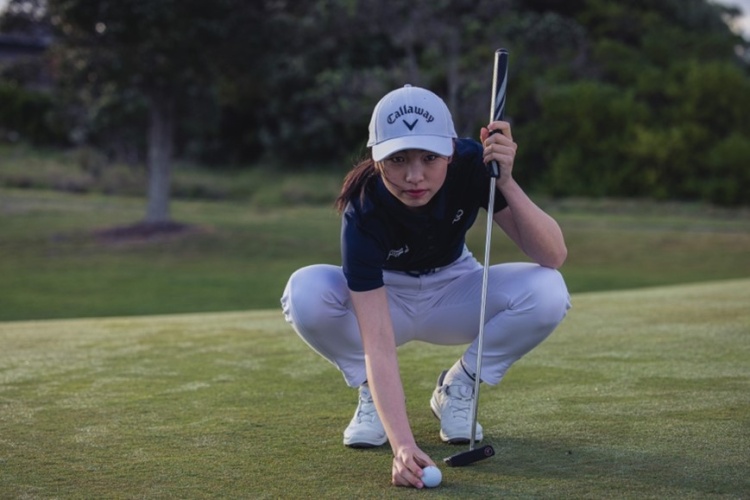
x=396, y=253
x=458, y=216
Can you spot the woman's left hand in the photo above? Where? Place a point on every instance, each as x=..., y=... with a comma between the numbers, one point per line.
x=499, y=146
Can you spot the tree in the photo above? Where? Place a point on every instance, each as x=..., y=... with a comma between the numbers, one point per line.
x=646, y=107
x=160, y=51
x=25, y=16
x=341, y=56
x=293, y=83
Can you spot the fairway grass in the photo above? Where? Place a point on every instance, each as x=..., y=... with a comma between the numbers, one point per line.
x=639, y=394
x=239, y=256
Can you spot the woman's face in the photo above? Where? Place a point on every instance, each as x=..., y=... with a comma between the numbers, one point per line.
x=414, y=176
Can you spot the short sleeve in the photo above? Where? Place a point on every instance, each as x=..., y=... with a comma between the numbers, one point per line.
x=362, y=253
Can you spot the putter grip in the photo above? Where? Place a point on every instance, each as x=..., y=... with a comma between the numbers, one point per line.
x=497, y=106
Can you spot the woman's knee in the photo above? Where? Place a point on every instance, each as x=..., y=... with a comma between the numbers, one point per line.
x=550, y=295
x=311, y=292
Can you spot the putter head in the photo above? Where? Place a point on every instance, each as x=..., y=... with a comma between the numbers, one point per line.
x=469, y=457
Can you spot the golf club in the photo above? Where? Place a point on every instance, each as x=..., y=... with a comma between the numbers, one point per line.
x=497, y=110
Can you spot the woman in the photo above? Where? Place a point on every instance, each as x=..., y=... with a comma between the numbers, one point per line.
x=407, y=274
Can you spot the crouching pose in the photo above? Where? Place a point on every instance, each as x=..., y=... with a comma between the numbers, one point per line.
x=408, y=275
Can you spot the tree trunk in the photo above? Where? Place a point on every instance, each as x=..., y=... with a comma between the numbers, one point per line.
x=453, y=75
x=160, y=146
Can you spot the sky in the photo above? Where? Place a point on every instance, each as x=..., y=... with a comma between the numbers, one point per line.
x=743, y=24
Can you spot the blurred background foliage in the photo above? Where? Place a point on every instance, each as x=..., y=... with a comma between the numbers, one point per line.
x=640, y=99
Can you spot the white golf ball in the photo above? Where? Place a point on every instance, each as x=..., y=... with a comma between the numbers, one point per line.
x=431, y=476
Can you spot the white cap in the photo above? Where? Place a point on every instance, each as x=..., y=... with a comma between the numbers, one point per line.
x=411, y=118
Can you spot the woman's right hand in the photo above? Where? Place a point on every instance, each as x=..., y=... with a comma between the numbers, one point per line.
x=408, y=463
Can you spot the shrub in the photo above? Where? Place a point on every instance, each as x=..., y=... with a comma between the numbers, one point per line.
x=28, y=115
x=728, y=182
x=586, y=131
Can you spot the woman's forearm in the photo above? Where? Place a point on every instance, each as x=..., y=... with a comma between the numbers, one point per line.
x=383, y=376
x=533, y=230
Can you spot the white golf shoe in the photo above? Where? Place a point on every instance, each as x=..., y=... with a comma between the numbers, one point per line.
x=451, y=404
x=365, y=429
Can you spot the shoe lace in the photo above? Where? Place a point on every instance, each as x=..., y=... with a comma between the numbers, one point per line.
x=366, y=411
x=460, y=398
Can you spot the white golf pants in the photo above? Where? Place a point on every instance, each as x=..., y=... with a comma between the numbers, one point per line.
x=525, y=303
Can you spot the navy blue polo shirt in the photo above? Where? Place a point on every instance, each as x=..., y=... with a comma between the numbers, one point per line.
x=379, y=232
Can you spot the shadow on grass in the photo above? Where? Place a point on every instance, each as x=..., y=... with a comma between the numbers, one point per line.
x=522, y=466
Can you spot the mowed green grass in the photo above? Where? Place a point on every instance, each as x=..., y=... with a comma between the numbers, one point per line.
x=240, y=254
x=236, y=257
x=639, y=394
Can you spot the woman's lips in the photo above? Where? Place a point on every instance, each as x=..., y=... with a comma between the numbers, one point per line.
x=416, y=193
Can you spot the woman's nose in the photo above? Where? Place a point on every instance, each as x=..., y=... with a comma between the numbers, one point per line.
x=414, y=173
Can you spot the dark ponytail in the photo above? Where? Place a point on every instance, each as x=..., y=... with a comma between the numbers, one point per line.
x=355, y=182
